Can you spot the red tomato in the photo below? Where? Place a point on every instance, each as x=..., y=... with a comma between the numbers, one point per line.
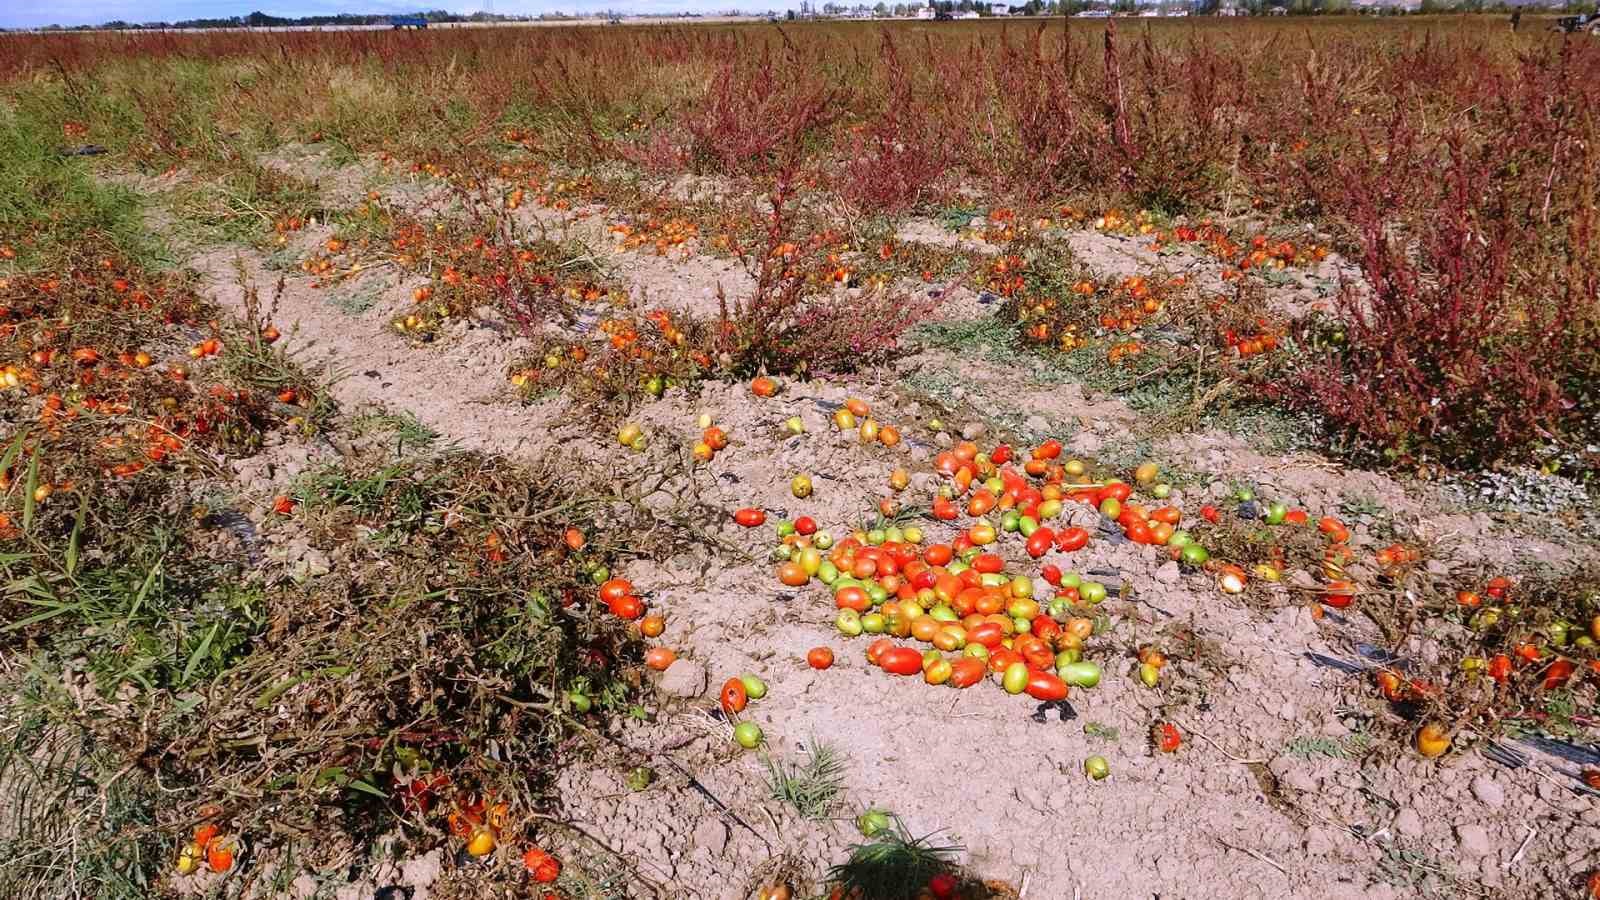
x=1166, y=737
x=1039, y=542
x=1500, y=668
x=1210, y=514
x=1168, y=514
x=819, y=658
x=1073, y=538
x=1001, y=659
x=749, y=517
x=629, y=607
x=876, y=648
x=1048, y=450
x=1045, y=686
x=1558, y=673
x=1001, y=455
x=966, y=672
x=1051, y=573
x=901, y=661
x=658, y=658
x=805, y=525
x=1116, y=490
x=542, y=866
x=852, y=597
x=1045, y=629
x=989, y=634
x=1296, y=517
x=615, y=589
x=988, y=563
x=938, y=554
x=734, y=697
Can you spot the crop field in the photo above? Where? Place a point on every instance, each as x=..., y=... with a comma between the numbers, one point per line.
x=1039, y=459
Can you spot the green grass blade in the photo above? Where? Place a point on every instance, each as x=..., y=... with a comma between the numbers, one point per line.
x=28, y=502
x=13, y=450
x=199, y=653
x=75, y=541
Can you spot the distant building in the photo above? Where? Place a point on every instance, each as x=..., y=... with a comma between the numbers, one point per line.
x=924, y=12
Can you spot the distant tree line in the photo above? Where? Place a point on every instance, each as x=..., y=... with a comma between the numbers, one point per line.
x=263, y=20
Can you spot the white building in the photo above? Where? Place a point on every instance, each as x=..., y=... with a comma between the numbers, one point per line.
x=923, y=12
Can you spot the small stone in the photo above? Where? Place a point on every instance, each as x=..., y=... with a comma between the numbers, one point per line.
x=712, y=835
x=1488, y=791
x=1319, y=840
x=943, y=440
x=973, y=430
x=1169, y=573
x=1408, y=823
x=1036, y=424
x=1474, y=841
x=684, y=678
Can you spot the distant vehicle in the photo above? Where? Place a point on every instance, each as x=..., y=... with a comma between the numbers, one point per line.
x=1589, y=23
x=401, y=23
x=942, y=16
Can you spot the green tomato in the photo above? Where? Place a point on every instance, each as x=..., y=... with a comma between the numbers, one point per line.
x=876, y=537
x=754, y=687
x=1096, y=767
x=600, y=575
x=827, y=573
x=1194, y=555
x=748, y=734
x=1081, y=674
x=976, y=651
x=1011, y=521
x=1027, y=525
x=785, y=528
x=874, y=623
x=1067, y=657
x=1071, y=580
x=994, y=484
x=876, y=593
x=958, y=566
x=943, y=613
x=580, y=702
x=1049, y=509
x=1015, y=679
x=1059, y=608
x=1022, y=587
x=1276, y=512
x=1149, y=674
x=848, y=621
x=1180, y=539
x=640, y=778
x=873, y=822
x=782, y=552
x=1244, y=495
x=822, y=540
x=970, y=554
x=1021, y=625
x=1111, y=508
x=1161, y=491
x=913, y=535
x=893, y=534
x=1092, y=592
x=993, y=579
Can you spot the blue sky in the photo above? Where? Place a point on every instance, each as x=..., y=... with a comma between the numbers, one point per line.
x=33, y=13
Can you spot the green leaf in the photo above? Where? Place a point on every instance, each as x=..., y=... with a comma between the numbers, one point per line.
x=27, y=492
x=77, y=535
x=199, y=653
x=12, y=450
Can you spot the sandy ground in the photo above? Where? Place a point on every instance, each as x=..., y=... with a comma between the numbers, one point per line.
x=1245, y=810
